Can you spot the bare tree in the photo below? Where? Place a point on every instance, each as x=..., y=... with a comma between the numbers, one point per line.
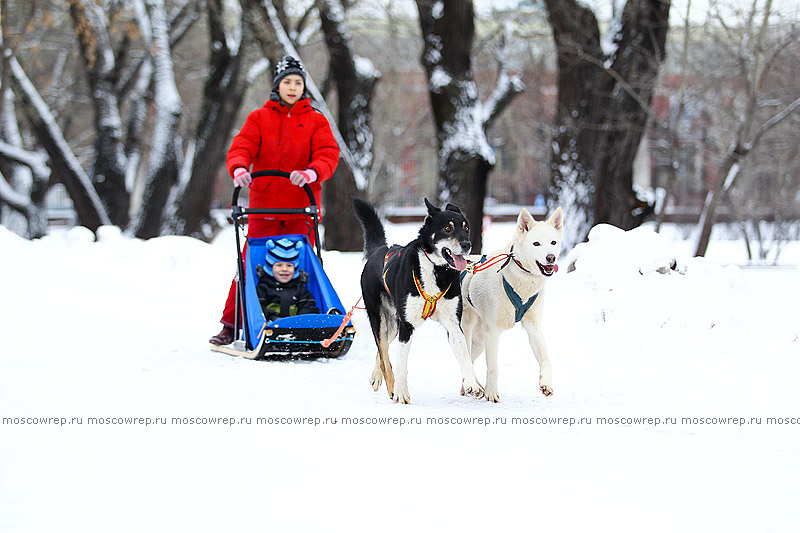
x=137, y=131
x=88, y=207
x=603, y=107
x=755, y=52
x=465, y=157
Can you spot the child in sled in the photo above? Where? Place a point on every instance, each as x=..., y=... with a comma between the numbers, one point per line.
x=281, y=285
x=285, y=134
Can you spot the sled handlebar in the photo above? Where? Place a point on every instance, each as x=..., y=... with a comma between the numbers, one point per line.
x=312, y=202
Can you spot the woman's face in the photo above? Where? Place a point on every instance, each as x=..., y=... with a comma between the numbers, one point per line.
x=290, y=89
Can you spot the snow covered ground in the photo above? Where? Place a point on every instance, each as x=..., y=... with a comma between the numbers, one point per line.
x=687, y=369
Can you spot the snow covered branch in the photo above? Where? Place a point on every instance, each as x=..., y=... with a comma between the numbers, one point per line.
x=14, y=199
x=88, y=206
x=36, y=162
x=774, y=121
x=507, y=86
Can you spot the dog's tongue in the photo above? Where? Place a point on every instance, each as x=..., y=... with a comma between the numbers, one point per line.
x=459, y=262
x=555, y=269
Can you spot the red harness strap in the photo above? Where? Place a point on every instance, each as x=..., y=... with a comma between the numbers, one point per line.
x=488, y=263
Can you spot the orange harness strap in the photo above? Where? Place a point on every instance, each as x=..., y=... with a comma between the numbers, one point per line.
x=327, y=342
x=386, y=269
x=430, y=301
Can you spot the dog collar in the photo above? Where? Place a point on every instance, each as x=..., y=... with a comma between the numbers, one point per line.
x=430, y=301
x=429, y=257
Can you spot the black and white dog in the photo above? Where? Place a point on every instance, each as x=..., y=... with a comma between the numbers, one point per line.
x=405, y=285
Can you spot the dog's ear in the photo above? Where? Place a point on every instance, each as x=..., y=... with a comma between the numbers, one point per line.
x=452, y=207
x=557, y=219
x=524, y=221
x=432, y=209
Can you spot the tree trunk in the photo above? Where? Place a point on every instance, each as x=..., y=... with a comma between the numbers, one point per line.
x=641, y=50
x=465, y=157
x=726, y=173
x=99, y=61
x=163, y=166
x=470, y=192
x=355, y=86
x=222, y=98
x=603, y=108
x=341, y=231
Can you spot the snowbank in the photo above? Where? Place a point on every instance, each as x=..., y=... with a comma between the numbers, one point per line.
x=666, y=369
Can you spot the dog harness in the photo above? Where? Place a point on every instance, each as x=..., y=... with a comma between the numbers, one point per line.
x=520, y=308
x=430, y=301
x=386, y=269
x=512, y=258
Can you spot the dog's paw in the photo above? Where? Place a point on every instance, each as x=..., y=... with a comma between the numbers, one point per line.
x=491, y=395
x=401, y=394
x=547, y=390
x=376, y=380
x=475, y=390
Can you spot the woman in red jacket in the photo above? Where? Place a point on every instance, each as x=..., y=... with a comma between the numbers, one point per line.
x=286, y=134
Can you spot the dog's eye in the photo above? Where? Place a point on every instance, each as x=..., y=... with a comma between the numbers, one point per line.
x=448, y=228
x=537, y=243
x=553, y=243
x=465, y=226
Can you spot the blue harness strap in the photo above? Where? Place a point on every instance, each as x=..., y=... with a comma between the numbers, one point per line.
x=516, y=301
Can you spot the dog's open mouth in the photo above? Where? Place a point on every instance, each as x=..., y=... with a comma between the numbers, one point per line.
x=455, y=261
x=548, y=269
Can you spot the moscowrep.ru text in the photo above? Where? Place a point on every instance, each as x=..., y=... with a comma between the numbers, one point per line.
x=483, y=421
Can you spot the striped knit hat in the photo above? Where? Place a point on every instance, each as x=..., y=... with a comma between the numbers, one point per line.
x=283, y=251
x=286, y=66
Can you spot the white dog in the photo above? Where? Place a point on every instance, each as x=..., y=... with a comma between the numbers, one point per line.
x=508, y=287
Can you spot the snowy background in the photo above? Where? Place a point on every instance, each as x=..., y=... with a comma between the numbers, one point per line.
x=118, y=328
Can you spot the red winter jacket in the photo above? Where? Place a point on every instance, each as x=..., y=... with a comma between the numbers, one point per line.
x=276, y=138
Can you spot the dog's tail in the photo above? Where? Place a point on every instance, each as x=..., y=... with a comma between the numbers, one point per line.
x=374, y=234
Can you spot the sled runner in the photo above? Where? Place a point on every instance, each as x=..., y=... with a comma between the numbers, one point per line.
x=299, y=336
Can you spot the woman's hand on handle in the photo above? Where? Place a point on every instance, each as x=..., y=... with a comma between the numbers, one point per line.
x=303, y=177
x=241, y=177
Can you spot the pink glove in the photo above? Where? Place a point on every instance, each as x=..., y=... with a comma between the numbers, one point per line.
x=241, y=177
x=302, y=177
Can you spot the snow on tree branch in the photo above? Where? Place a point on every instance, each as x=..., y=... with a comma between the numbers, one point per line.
x=90, y=209
x=507, y=86
x=36, y=162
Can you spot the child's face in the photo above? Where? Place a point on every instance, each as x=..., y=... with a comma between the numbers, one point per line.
x=283, y=272
x=291, y=88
